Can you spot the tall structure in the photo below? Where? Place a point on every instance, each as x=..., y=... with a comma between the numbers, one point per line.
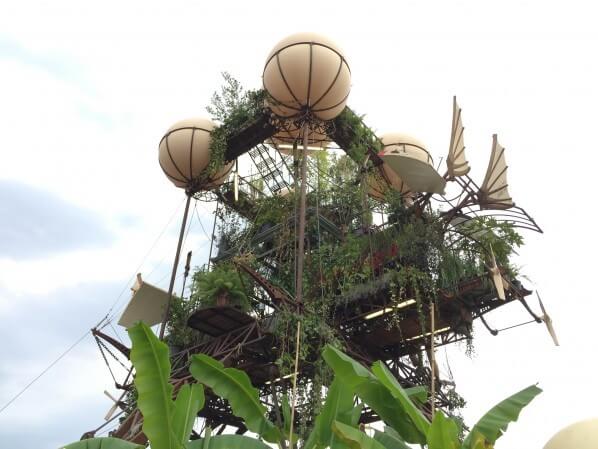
x=324, y=223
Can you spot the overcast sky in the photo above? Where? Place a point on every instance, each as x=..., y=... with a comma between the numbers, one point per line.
x=88, y=88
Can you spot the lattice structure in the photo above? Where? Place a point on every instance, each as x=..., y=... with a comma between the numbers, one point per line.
x=362, y=318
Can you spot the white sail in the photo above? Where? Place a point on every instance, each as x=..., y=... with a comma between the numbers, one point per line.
x=456, y=162
x=494, y=193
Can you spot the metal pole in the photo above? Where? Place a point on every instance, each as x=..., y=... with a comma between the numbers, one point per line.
x=432, y=360
x=302, y=207
x=213, y=234
x=174, y=267
x=187, y=269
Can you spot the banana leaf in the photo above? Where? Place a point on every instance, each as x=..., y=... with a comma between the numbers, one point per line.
x=354, y=438
x=338, y=407
x=373, y=392
x=494, y=423
x=103, y=443
x=390, y=382
x=234, y=386
x=418, y=394
x=390, y=439
x=151, y=360
x=443, y=433
x=227, y=442
x=190, y=400
x=286, y=418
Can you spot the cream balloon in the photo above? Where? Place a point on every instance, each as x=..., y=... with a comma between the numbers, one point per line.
x=378, y=185
x=184, y=154
x=410, y=160
x=307, y=71
x=581, y=435
x=284, y=139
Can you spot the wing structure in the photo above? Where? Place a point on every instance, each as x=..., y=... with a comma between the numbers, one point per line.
x=494, y=193
x=456, y=162
x=496, y=276
x=548, y=322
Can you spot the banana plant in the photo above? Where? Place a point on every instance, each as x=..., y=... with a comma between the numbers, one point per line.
x=103, y=443
x=375, y=387
x=235, y=386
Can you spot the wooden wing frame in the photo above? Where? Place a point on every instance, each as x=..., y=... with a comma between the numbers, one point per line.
x=456, y=161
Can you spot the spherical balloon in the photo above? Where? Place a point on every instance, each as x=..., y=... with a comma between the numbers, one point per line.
x=410, y=160
x=184, y=154
x=405, y=145
x=307, y=72
x=581, y=435
x=286, y=137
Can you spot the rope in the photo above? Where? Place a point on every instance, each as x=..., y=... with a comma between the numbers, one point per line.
x=60, y=357
x=295, y=384
x=144, y=259
x=105, y=359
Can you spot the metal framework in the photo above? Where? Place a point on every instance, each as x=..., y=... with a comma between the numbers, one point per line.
x=363, y=320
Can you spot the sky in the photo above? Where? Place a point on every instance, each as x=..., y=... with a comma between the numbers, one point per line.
x=88, y=88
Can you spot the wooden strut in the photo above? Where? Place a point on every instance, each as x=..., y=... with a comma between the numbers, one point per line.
x=432, y=359
x=302, y=208
x=294, y=400
x=277, y=295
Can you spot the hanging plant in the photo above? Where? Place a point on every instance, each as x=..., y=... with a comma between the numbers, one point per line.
x=220, y=287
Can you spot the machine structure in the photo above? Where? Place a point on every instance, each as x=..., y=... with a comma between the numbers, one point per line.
x=325, y=233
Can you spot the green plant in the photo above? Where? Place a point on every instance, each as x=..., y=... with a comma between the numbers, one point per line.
x=234, y=386
x=221, y=286
x=103, y=443
x=355, y=136
x=381, y=391
x=234, y=108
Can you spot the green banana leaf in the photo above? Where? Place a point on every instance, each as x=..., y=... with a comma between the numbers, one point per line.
x=190, y=400
x=390, y=439
x=234, y=386
x=418, y=394
x=286, y=419
x=443, y=433
x=227, y=442
x=354, y=438
x=478, y=441
x=493, y=424
x=338, y=407
x=152, y=364
x=388, y=380
x=103, y=443
x=373, y=392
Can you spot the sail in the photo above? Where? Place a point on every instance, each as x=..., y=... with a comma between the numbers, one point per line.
x=456, y=162
x=494, y=193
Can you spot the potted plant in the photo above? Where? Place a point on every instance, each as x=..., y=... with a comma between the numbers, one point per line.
x=220, y=287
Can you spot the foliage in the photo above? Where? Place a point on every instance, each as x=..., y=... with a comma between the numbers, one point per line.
x=166, y=423
x=442, y=433
x=103, y=443
x=180, y=335
x=354, y=135
x=338, y=407
x=227, y=442
x=494, y=423
x=371, y=390
x=353, y=438
x=222, y=282
x=234, y=386
x=234, y=108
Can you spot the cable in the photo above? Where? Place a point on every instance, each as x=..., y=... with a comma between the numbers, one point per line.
x=5, y=406
x=70, y=348
x=144, y=258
